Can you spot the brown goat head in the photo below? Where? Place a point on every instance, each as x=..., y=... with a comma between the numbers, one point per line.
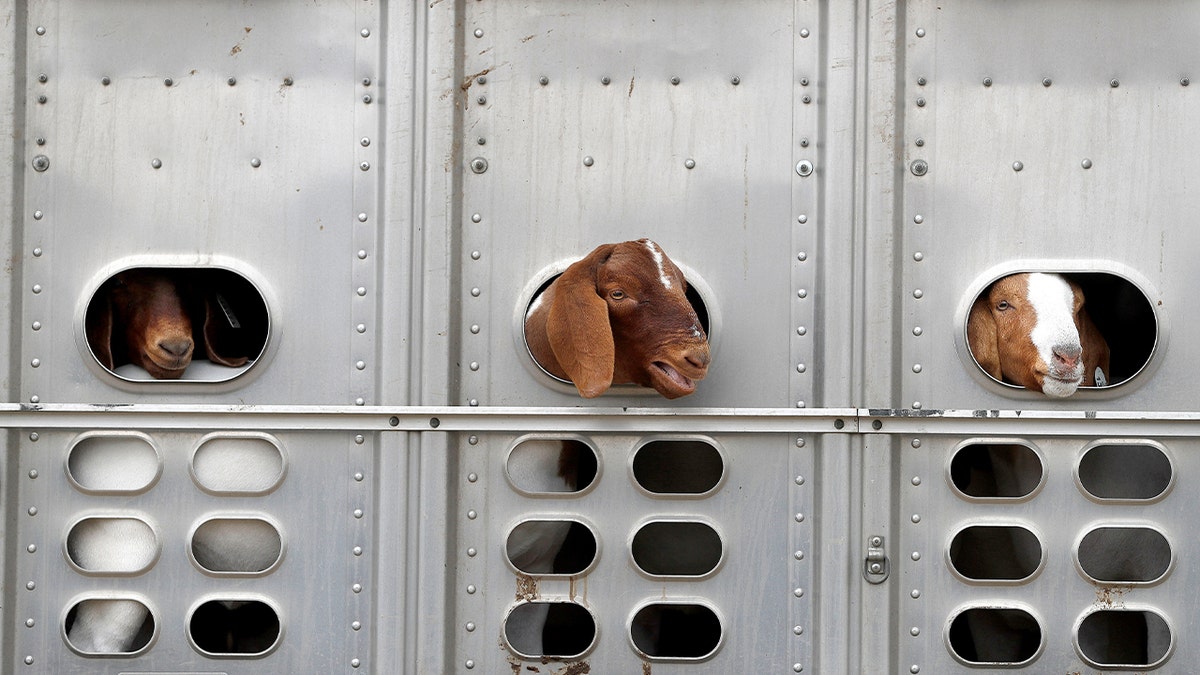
x=619, y=316
x=151, y=318
x=1031, y=329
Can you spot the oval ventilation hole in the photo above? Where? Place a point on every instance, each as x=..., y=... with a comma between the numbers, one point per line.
x=1124, y=554
x=234, y=628
x=693, y=296
x=995, y=553
x=237, y=465
x=113, y=463
x=112, y=545
x=557, y=630
x=678, y=467
x=546, y=465
x=999, y=636
x=551, y=547
x=1115, y=313
x=109, y=626
x=237, y=545
x=1125, y=471
x=169, y=323
x=996, y=470
x=669, y=548
x=1122, y=638
x=664, y=630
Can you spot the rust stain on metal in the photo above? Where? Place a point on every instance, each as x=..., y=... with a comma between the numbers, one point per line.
x=527, y=38
x=470, y=79
x=631, y=85
x=645, y=668
x=1109, y=596
x=527, y=588
x=577, y=668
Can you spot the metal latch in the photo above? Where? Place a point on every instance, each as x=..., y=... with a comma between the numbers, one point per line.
x=875, y=568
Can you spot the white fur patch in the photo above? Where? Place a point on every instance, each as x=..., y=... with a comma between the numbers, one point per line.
x=658, y=258
x=1054, y=304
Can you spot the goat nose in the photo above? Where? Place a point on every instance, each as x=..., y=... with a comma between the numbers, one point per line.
x=697, y=357
x=176, y=347
x=1068, y=355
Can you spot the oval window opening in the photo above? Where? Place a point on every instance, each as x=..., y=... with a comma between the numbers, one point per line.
x=236, y=545
x=234, y=628
x=556, y=630
x=668, y=548
x=113, y=463
x=112, y=545
x=547, y=465
x=1125, y=471
x=146, y=324
x=678, y=367
x=1124, y=555
x=678, y=467
x=676, y=631
x=551, y=547
x=996, y=470
x=1124, y=638
x=995, y=553
x=237, y=465
x=988, y=635
x=1107, y=325
x=109, y=626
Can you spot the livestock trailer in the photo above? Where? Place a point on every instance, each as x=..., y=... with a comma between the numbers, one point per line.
x=371, y=193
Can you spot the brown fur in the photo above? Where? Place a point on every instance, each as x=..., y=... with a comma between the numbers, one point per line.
x=145, y=317
x=609, y=319
x=998, y=332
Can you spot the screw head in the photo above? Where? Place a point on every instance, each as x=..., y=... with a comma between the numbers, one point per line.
x=479, y=165
x=919, y=167
x=804, y=168
x=41, y=163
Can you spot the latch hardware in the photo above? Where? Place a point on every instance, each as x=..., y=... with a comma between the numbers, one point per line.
x=876, y=567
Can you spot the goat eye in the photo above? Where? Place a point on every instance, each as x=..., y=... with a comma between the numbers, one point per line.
x=617, y=295
x=1003, y=305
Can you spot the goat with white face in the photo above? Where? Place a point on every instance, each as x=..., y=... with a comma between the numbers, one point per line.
x=1032, y=330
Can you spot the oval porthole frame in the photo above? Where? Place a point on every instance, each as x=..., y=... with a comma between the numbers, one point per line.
x=1121, y=524
x=1011, y=523
x=551, y=517
x=1124, y=607
x=542, y=376
x=269, y=438
x=112, y=433
x=246, y=374
x=1125, y=441
x=234, y=597
x=1068, y=267
x=1018, y=606
x=236, y=515
x=550, y=600
x=516, y=443
x=676, y=518
x=112, y=515
x=708, y=440
x=144, y=600
x=1007, y=440
x=676, y=600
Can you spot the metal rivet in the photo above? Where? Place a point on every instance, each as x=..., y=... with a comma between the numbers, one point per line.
x=916, y=443
x=367, y=99
x=362, y=217
x=38, y=215
x=987, y=81
x=876, y=568
x=474, y=365
x=360, y=291
x=915, y=594
x=478, y=32
x=543, y=80
x=916, y=555
x=921, y=81
x=799, y=480
x=919, y=167
x=360, y=439
x=914, y=631
x=30, y=623
x=366, y=32
x=287, y=81
x=475, y=329
x=606, y=80
x=804, y=32
x=806, y=99
x=799, y=592
x=357, y=550
x=40, y=30
x=1185, y=81
x=920, y=102
x=360, y=401
x=37, y=288
x=35, y=399
x=798, y=555
x=675, y=80
x=32, y=548
x=798, y=630
x=802, y=256
x=362, y=328
x=800, y=404
x=41, y=163
x=34, y=436
x=472, y=514
x=1114, y=83
x=231, y=81
x=799, y=517
x=358, y=477
x=357, y=588
x=918, y=293
x=917, y=331
x=473, y=440
x=37, y=252
x=481, y=140
x=471, y=552
x=169, y=82
x=797, y=668
x=33, y=511
x=475, y=255
x=29, y=660
x=366, y=81
x=473, y=402
x=916, y=405
x=588, y=161
x=804, y=142
x=31, y=586
x=355, y=625
x=1046, y=82
x=1017, y=166
x=471, y=589
x=475, y=292
x=482, y=100
x=914, y=669
x=156, y=163
x=475, y=218
x=801, y=330
x=800, y=368
x=364, y=141
x=364, y=166
x=479, y=165
x=689, y=163
x=920, y=32
x=920, y=142
x=470, y=626
x=42, y=98
x=1086, y=163
x=918, y=219
x=470, y=664
x=472, y=477
x=362, y=255
x=360, y=365
x=105, y=81
x=255, y=162
x=35, y=363
x=802, y=218
x=916, y=517
x=804, y=167
x=735, y=80
x=918, y=256
x=802, y=293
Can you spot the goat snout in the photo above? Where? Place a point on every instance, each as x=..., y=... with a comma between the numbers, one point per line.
x=177, y=347
x=697, y=357
x=1066, y=357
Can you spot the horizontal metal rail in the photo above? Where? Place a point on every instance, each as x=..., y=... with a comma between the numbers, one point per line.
x=611, y=420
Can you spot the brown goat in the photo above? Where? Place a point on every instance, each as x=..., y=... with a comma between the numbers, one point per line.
x=619, y=316
x=145, y=316
x=1031, y=329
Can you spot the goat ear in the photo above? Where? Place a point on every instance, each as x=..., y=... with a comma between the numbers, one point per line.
x=984, y=338
x=578, y=327
x=98, y=326
x=213, y=316
x=1095, y=352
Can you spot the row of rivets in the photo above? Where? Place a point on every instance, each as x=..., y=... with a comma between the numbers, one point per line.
x=1112, y=83
x=472, y=478
x=915, y=594
x=798, y=555
x=31, y=585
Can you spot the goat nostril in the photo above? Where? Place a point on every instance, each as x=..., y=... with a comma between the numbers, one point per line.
x=176, y=347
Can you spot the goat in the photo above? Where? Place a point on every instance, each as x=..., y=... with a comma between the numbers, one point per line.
x=619, y=315
x=148, y=317
x=1031, y=329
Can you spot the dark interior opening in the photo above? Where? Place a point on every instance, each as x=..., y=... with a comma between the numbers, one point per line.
x=138, y=642
x=234, y=627
x=992, y=635
x=996, y=470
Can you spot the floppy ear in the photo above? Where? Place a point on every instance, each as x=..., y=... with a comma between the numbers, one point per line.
x=983, y=338
x=1095, y=352
x=98, y=326
x=578, y=326
x=217, y=322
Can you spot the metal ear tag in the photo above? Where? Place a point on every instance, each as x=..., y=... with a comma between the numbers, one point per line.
x=1101, y=380
x=229, y=315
